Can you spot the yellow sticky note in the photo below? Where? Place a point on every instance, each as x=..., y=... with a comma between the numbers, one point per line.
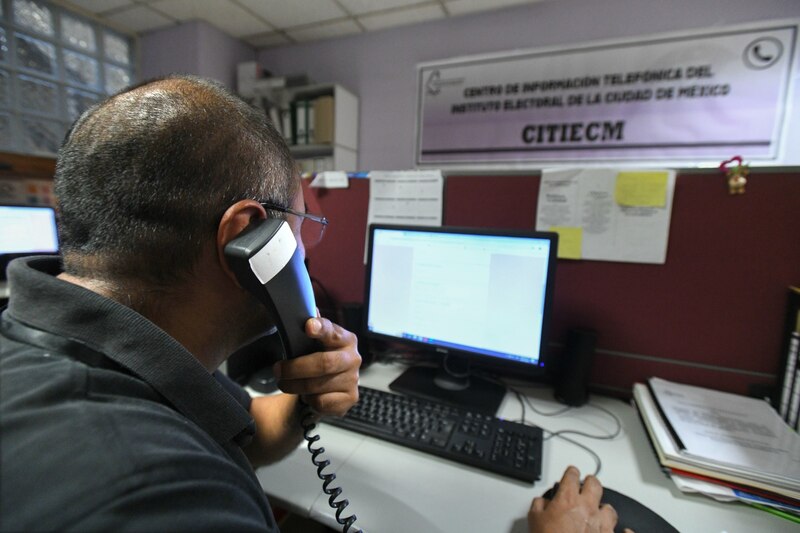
x=641, y=189
x=570, y=241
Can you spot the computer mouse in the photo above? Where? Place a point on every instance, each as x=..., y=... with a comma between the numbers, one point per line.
x=631, y=513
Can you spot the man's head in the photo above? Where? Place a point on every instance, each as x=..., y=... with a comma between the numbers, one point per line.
x=144, y=177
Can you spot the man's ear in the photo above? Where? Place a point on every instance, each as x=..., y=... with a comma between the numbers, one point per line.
x=236, y=218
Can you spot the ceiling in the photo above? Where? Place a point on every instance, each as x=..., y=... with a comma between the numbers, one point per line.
x=266, y=23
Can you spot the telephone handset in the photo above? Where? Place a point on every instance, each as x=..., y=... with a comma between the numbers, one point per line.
x=268, y=264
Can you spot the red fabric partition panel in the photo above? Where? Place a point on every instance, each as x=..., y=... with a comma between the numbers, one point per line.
x=337, y=263
x=712, y=315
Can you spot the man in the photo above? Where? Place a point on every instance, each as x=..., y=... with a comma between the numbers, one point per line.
x=113, y=414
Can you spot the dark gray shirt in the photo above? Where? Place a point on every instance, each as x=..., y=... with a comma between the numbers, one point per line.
x=107, y=423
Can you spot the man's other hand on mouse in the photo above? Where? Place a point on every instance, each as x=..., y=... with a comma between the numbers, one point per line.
x=575, y=507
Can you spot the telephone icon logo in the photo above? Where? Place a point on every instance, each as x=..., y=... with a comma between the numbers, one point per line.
x=762, y=53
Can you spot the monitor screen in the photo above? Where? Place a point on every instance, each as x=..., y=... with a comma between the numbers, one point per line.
x=482, y=294
x=26, y=230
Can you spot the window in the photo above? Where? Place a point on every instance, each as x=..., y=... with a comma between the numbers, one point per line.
x=54, y=64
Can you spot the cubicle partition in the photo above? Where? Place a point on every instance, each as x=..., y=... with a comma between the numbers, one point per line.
x=711, y=316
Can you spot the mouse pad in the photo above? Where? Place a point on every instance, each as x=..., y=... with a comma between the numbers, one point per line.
x=630, y=513
x=634, y=515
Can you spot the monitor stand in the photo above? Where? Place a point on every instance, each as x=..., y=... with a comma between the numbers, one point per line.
x=466, y=391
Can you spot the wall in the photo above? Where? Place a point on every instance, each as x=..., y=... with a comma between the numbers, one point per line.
x=219, y=54
x=169, y=50
x=193, y=48
x=380, y=67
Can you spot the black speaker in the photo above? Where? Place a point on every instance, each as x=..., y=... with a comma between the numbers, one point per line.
x=575, y=367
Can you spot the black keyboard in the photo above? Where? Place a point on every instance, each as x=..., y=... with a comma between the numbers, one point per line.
x=500, y=446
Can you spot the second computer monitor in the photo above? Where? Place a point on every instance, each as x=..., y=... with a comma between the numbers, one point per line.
x=26, y=230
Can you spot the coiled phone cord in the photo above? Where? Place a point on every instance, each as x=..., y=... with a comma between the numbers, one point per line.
x=308, y=425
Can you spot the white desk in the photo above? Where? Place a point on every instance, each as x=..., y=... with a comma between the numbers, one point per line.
x=393, y=489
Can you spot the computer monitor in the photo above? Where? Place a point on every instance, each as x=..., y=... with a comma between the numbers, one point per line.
x=26, y=230
x=474, y=297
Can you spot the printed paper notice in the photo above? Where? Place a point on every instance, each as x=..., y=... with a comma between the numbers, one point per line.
x=623, y=215
x=331, y=179
x=409, y=197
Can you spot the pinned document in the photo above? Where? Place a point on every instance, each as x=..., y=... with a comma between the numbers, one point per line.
x=623, y=215
x=408, y=197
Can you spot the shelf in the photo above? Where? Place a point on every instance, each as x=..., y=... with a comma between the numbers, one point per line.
x=342, y=118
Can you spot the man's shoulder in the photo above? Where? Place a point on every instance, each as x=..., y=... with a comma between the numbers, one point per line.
x=81, y=445
x=51, y=397
x=160, y=489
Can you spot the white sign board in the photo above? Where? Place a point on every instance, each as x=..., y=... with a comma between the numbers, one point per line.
x=700, y=96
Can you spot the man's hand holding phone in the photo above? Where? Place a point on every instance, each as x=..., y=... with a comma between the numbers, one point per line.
x=326, y=380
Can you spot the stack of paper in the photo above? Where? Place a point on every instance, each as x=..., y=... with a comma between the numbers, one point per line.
x=741, y=443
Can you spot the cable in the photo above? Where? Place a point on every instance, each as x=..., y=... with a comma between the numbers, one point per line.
x=590, y=436
x=542, y=413
x=308, y=425
x=521, y=404
x=591, y=452
x=522, y=399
